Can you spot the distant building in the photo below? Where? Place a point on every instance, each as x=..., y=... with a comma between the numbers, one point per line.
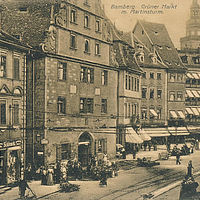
x=190, y=56
x=12, y=107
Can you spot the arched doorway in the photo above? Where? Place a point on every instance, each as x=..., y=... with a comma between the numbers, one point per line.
x=84, y=148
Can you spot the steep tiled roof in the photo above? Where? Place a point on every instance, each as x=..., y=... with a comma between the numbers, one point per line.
x=124, y=55
x=161, y=40
x=6, y=38
x=147, y=57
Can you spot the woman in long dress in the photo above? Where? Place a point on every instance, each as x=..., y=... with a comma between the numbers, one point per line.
x=50, y=172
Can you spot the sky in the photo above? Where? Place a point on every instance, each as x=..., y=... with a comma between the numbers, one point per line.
x=172, y=13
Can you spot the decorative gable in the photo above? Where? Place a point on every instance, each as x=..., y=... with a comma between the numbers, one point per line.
x=5, y=90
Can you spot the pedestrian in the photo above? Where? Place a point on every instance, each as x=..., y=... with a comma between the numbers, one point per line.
x=134, y=153
x=22, y=188
x=149, y=146
x=123, y=153
x=28, y=172
x=178, y=158
x=103, y=177
x=50, y=173
x=43, y=176
x=57, y=172
x=189, y=169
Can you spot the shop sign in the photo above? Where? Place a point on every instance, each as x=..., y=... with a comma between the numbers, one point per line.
x=7, y=144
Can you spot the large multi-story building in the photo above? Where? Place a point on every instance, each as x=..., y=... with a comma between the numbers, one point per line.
x=12, y=107
x=164, y=82
x=129, y=89
x=190, y=56
x=72, y=89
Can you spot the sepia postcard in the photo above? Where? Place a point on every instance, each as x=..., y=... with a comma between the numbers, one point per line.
x=100, y=99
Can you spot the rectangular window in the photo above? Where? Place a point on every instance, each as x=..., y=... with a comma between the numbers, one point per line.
x=179, y=77
x=151, y=75
x=86, y=105
x=126, y=84
x=159, y=94
x=144, y=113
x=172, y=77
x=144, y=93
x=126, y=110
x=159, y=113
x=16, y=114
x=159, y=76
x=103, y=105
x=97, y=48
x=3, y=112
x=132, y=81
x=87, y=75
x=73, y=41
x=98, y=25
x=129, y=110
x=3, y=66
x=102, y=146
x=144, y=75
x=73, y=16
x=65, y=151
x=62, y=71
x=138, y=85
x=104, y=77
x=151, y=93
x=129, y=82
x=172, y=96
x=135, y=105
x=135, y=89
x=61, y=105
x=179, y=96
x=16, y=68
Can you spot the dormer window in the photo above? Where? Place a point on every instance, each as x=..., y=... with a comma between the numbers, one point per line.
x=169, y=48
x=154, y=59
x=140, y=47
x=156, y=33
x=23, y=9
x=160, y=47
x=141, y=57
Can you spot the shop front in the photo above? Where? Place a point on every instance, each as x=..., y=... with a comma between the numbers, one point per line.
x=10, y=161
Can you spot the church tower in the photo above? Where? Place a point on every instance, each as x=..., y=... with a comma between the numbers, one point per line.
x=192, y=38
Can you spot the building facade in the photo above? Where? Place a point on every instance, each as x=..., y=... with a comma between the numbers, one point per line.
x=12, y=108
x=71, y=86
x=163, y=67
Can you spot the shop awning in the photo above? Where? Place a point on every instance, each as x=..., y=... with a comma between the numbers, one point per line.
x=195, y=111
x=189, y=111
x=189, y=93
x=195, y=75
x=144, y=135
x=132, y=136
x=157, y=132
x=153, y=112
x=180, y=114
x=196, y=94
x=198, y=109
x=173, y=114
x=189, y=75
x=178, y=131
x=194, y=129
